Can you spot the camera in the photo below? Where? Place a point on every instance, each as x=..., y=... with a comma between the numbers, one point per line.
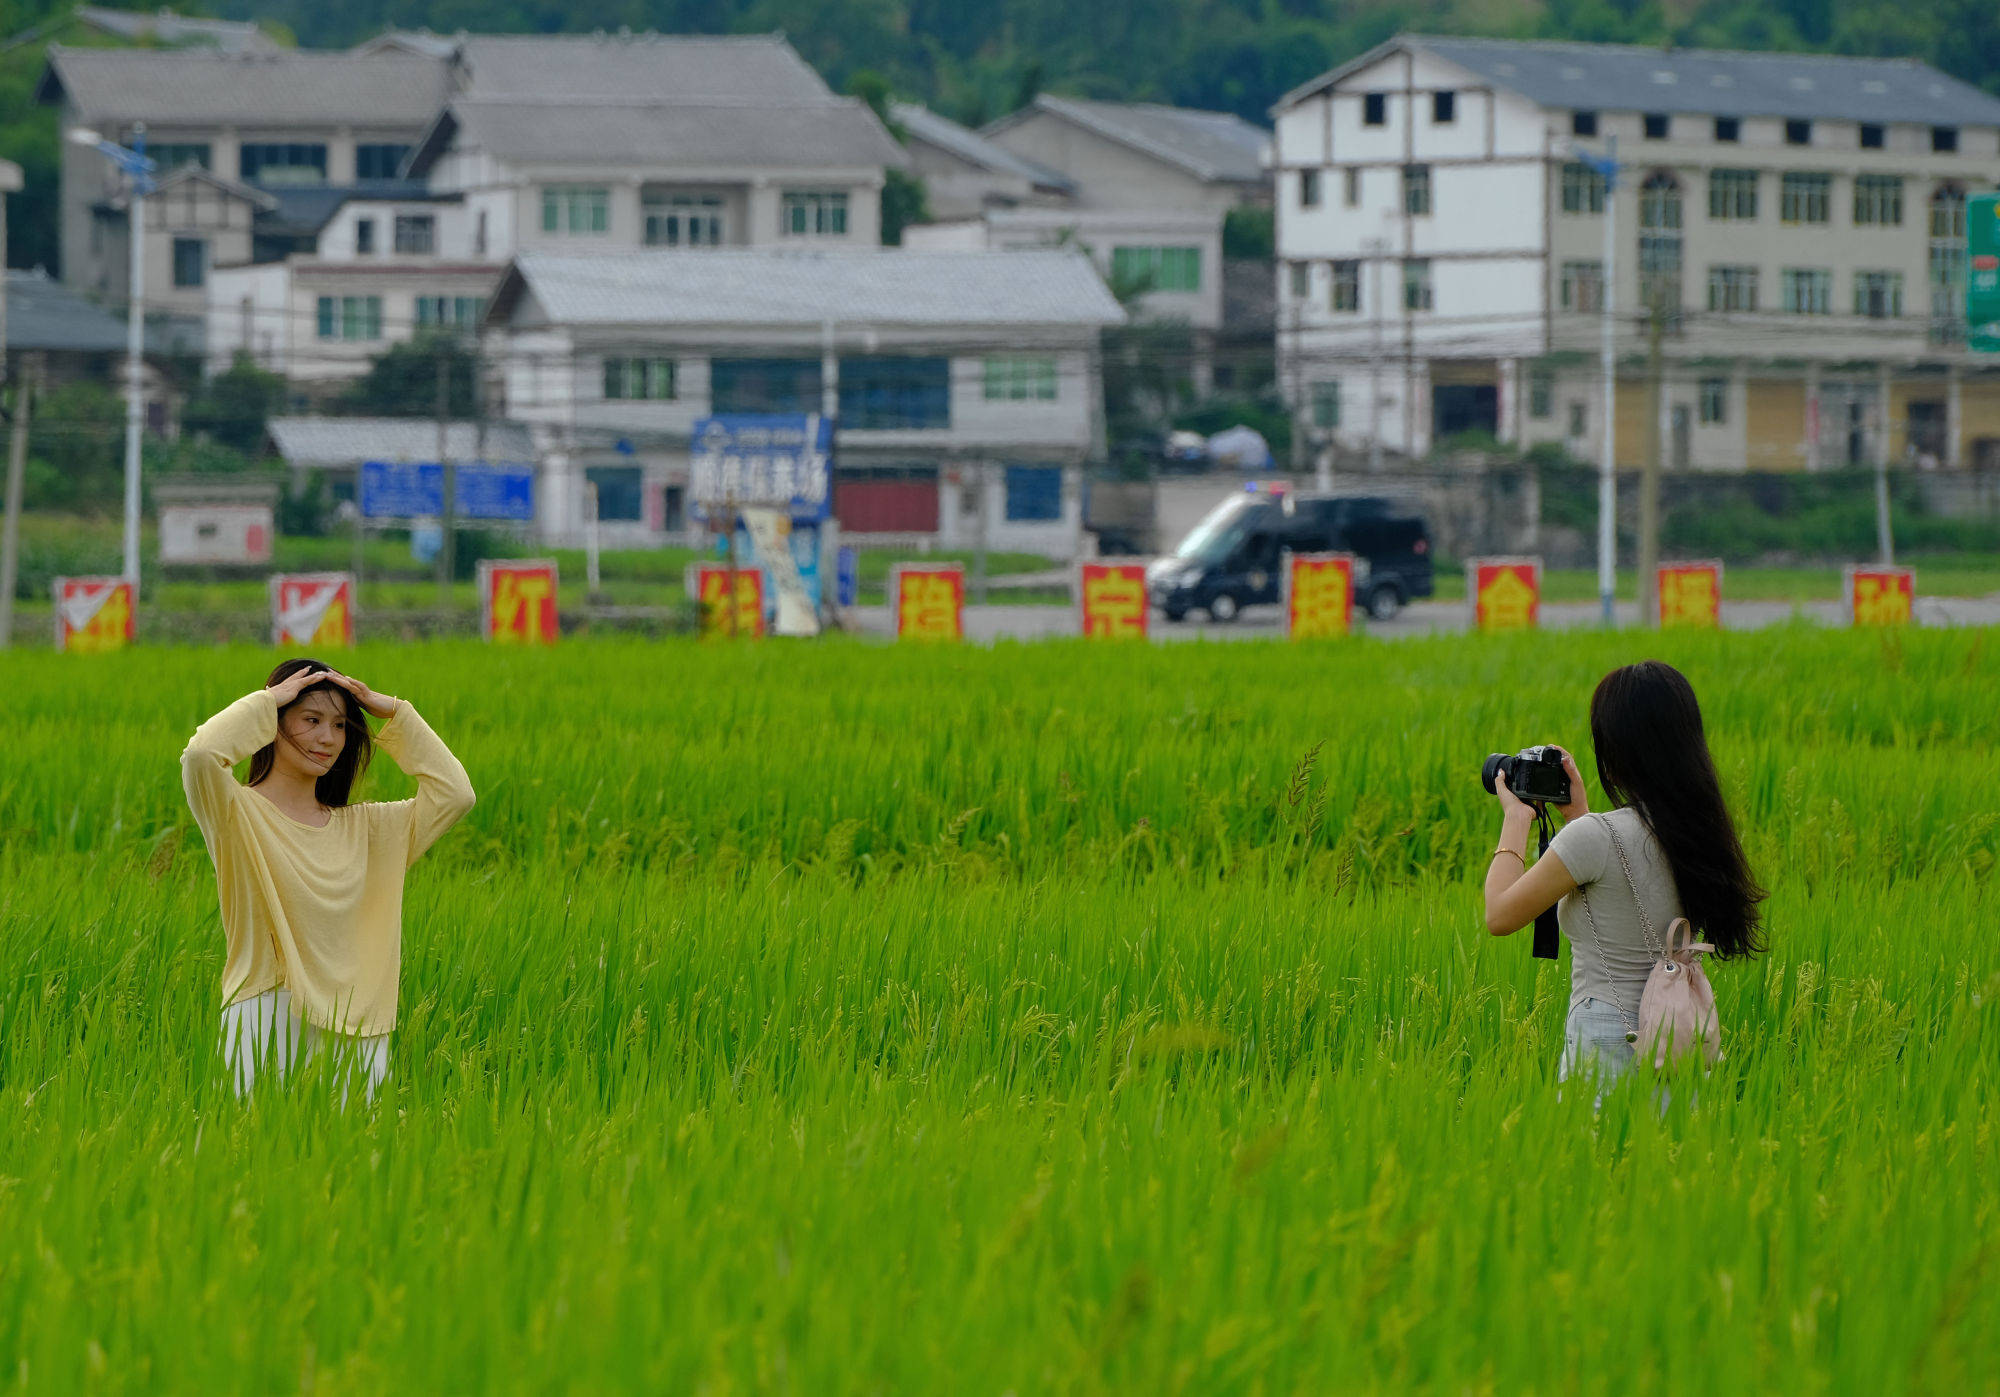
x=1535, y=775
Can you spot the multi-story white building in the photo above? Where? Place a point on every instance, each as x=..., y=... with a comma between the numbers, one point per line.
x=950, y=375
x=1798, y=220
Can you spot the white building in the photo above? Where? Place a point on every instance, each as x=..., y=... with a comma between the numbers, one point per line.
x=1799, y=220
x=953, y=378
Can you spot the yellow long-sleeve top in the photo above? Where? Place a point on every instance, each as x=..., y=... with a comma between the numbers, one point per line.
x=317, y=910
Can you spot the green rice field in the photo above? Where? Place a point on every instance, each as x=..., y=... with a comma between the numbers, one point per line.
x=1044, y=1018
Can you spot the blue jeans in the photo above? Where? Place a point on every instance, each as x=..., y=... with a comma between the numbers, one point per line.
x=1594, y=1042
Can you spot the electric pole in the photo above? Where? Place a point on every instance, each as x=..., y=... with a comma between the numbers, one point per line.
x=1649, y=476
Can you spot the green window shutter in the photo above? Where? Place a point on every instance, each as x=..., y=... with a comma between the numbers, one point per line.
x=1045, y=379
x=326, y=326
x=549, y=210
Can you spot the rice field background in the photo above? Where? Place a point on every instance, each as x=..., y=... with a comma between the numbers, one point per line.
x=1045, y=1018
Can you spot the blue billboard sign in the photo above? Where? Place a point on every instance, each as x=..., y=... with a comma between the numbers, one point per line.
x=398, y=490
x=772, y=459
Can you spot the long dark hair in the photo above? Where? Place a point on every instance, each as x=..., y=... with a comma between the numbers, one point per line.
x=336, y=786
x=1653, y=756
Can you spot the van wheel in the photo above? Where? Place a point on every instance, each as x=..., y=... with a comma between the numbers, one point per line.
x=1223, y=608
x=1175, y=614
x=1384, y=602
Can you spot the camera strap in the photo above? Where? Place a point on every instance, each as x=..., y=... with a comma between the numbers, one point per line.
x=1548, y=932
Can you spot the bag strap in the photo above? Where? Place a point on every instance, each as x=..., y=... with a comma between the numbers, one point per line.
x=1653, y=942
x=1583, y=896
x=1687, y=944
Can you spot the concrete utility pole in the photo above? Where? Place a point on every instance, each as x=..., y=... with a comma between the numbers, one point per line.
x=1649, y=478
x=1885, y=542
x=17, y=454
x=1378, y=251
x=1606, y=167
x=448, y=511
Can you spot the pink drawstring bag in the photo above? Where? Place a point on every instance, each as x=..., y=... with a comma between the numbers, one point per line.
x=1677, y=1007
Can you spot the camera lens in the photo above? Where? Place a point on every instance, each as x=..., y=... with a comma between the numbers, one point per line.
x=1497, y=766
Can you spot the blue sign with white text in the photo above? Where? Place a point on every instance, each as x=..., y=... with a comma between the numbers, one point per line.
x=398, y=490
x=772, y=459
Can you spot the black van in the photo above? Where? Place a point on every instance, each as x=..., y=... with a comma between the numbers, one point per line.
x=1234, y=556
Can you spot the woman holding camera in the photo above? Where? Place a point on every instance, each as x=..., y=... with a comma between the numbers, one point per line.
x=1667, y=849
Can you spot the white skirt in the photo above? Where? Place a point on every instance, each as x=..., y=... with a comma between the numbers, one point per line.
x=262, y=1034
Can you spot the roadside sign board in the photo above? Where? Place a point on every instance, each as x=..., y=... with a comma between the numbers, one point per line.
x=1880, y=596
x=1111, y=600
x=93, y=614
x=517, y=601
x=929, y=601
x=312, y=609
x=1319, y=595
x=1506, y=593
x=1982, y=272
x=1690, y=594
x=780, y=460
x=399, y=490
x=708, y=584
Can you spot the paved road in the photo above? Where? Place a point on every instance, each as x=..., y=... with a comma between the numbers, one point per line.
x=1001, y=622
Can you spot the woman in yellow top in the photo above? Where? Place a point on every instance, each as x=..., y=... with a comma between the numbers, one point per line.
x=312, y=887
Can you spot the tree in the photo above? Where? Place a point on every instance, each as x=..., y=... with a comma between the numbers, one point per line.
x=1250, y=231
x=904, y=201
x=402, y=380
x=234, y=408
x=77, y=463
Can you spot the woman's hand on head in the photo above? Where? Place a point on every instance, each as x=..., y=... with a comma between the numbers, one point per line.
x=380, y=705
x=292, y=685
x=1579, y=800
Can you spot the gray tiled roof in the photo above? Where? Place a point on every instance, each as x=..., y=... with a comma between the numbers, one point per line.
x=968, y=145
x=303, y=210
x=166, y=27
x=342, y=441
x=686, y=68
x=42, y=315
x=1208, y=145
x=763, y=287
x=664, y=133
x=200, y=87
x=1619, y=77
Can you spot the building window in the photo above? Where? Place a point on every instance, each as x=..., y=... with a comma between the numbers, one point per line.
x=814, y=213
x=1878, y=295
x=1728, y=128
x=1417, y=283
x=1871, y=136
x=684, y=220
x=1353, y=191
x=764, y=385
x=575, y=209
x=1798, y=133
x=350, y=317
x=283, y=163
x=1583, y=286
x=1714, y=401
x=1878, y=199
x=450, y=312
x=171, y=155
x=1444, y=108
x=1541, y=393
x=1657, y=125
x=1732, y=288
x=379, y=160
x=1157, y=268
x=1034, y=494
x=416, y=233
x=1583, y=123
x=1804, y=198
x=1346, y=294
x=190, y=261
x=1660, y=243
x=895, y=392
x=1416, y=190
x=1732, y=194
x=1944, y=139
x=1301, y=280
x=1308, y=189
x=1947, y=264
x=629, y=378
x=1326, y=404
x=620, y=491
x=364, y=236
x=1578, y=421
x=1017, y=378
x=1807, y=291
x=1375, y=109
x=1582, y=189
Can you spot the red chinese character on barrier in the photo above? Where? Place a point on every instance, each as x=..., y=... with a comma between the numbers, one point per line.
x=1320, y=596
x=712, y=593
x=1506, y=593
x=93, y=614
x=313, y=611
x=929, y=602
x=518, y=601
x=1690, y=594
x=1881, y=596
x=1112, y=598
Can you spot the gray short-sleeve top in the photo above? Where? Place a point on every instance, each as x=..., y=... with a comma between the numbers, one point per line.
x=1612, y=965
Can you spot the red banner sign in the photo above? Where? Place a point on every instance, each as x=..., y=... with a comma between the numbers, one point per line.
x=517, y=601
x=1690, y=595
x=711, y=591
x=1319, y=596
x=929, y=601
x=1111, y=600
x=312, y=610
x=1881, y=596
x=93, y=614
x=1506, y=593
